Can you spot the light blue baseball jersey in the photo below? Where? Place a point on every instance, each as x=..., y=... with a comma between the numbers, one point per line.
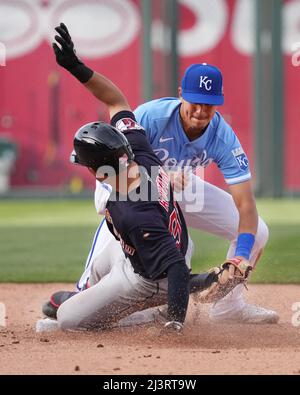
x=218, y=144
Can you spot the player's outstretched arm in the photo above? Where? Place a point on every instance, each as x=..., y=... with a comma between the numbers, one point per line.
x=101, y=87
x=108, y=93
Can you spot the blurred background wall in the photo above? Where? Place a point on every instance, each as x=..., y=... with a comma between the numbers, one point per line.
x=144, y=46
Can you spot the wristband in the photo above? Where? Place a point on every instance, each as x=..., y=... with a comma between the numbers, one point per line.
x=82, y=72
x=244, y=245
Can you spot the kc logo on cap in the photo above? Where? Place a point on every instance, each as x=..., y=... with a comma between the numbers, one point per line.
x=206, y=82
x=203, y=84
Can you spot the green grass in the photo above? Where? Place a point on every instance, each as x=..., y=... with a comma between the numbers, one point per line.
x=47, y=241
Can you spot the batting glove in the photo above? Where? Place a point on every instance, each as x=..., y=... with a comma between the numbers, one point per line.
x=66, y=55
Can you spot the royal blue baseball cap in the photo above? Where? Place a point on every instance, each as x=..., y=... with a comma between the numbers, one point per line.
x=203, y=84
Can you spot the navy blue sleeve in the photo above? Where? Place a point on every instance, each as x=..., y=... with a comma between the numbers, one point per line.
x=178, y=292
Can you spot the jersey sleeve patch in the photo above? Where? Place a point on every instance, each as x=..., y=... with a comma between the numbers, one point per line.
x=241, y=158
x=125, y=124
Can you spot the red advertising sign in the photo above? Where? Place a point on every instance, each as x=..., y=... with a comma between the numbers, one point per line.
x=41, y=105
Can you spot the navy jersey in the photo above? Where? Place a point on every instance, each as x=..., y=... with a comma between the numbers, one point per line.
x=148, y=222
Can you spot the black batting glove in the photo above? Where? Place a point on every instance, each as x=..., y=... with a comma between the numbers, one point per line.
x=66, y=55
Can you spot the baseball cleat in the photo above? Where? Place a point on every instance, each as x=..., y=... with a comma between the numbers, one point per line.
x=249, y=314
x=50, y=308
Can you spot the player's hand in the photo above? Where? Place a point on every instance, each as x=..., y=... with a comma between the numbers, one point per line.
x=66, y=55
x=179, y=180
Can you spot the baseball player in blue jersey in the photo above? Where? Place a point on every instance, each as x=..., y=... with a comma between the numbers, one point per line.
x=188, y=133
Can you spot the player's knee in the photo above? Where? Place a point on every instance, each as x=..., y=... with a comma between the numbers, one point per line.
x=262, y=234
x=66, y=319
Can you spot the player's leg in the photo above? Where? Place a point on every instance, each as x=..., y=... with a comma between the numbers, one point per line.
x=160, y=313
x=117, y=295
x=212, y=210
x=105, y=250
x=104, y=246
x=120, y=295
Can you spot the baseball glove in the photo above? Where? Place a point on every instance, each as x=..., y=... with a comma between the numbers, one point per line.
x=230, y=274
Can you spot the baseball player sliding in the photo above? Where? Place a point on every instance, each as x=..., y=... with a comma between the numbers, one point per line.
x=141, y=214
x=190, y=132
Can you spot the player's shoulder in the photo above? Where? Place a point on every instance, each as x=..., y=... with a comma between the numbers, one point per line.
x=158, y=109
x=223, y=131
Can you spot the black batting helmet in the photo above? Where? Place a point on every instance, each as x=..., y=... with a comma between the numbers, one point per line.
x=99, y=144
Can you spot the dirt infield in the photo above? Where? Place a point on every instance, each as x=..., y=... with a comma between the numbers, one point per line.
x=203, y=349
